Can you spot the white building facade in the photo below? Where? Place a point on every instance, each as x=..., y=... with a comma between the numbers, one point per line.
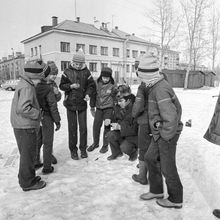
x=116, y=49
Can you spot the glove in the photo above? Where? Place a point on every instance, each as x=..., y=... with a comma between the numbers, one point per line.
x=92, y=112
x=58, y=125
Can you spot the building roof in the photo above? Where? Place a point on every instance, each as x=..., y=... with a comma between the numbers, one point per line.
x=80, y=27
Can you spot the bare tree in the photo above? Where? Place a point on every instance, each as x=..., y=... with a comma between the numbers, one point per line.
x=214, y=32
x=193, y=11
x=166, y=21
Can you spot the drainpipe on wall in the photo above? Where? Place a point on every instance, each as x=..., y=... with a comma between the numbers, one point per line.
x=125, y=55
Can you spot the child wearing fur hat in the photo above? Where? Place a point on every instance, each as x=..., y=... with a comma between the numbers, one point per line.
x=48, y=95
x=103, y=100
x=25, y=120
x=164, y=112
x=123, y=134
x=78, y=85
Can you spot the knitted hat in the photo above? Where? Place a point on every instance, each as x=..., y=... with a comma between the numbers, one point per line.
x=53, y=68
x=36, y=69
x=79, y=57
x=106, y=72
x=148, y=68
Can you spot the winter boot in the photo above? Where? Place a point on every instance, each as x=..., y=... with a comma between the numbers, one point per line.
x=92, y=147
x=74, y=155
x=216, y=213
x=142, y=176
x=48, y=170
x=104, y=149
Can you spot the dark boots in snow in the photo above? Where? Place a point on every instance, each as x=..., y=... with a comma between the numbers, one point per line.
x=142, y=176
x=104, y=149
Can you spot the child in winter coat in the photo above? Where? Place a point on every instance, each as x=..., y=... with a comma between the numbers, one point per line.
x=164, y=112
x=123, y=134
x=78, y=85
x=140, y=112
x=48, y=95
x=104, y=100
x=25, y=120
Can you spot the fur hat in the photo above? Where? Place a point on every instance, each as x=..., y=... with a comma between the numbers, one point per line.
x=106, y=72
x=79, y=57
x=36, y=69
x=148, y=68
x=53, y=68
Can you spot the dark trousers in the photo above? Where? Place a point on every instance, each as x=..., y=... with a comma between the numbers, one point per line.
x=161, y=159
x=120, y=145
x=144, y=140
x=100, y=116
x=26, y=141
x=75, y=117
x=47, y=139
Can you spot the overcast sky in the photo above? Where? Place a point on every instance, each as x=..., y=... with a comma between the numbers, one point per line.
x=21, y=19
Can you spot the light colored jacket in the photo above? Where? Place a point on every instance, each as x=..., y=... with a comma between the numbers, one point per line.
x=25, y=110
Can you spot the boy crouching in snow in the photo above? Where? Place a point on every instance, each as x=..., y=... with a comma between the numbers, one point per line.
x=25, y=120
x=103, y=99
x=47, y=99
x=123, y=134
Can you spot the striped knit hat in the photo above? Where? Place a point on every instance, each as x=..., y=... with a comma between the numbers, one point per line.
x=148, y=69
x=36, y=69
x=79, y=57
x=53, y=68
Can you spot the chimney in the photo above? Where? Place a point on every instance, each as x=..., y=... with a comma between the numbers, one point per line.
x=133, y=34
x=77, y=19
x=54, y=21
x=116, y=27
x=103, y=25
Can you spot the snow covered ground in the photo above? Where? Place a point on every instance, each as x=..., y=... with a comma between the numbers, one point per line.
x=95, y=188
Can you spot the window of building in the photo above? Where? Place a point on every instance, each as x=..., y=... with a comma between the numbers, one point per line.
x=104, y=51
x=32, y=52
x=93, y=67
x=104, y=65
x=80, y=46
x=92, y=49
x=142, y=52
x=133, y=68
x=134, y=53
x=127, y=68
x=40, y=50
x=64, y=47
x=35, y=51
x=128, y=53
x=64, y=65
x=116, y=52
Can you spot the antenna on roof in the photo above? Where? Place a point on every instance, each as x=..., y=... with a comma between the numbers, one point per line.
x=75, y=8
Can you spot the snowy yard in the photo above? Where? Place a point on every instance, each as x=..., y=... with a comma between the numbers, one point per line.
x=95, y=188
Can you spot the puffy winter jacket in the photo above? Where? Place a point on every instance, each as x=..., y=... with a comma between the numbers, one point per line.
x=47, y=100
x=165, y=108
x=25, y=110
x=129, y=126
x=105, y=94
x=74, y=98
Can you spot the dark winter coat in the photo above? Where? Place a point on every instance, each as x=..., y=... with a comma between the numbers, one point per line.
x=165, y=108
x=25, y=110
x=140, y=107
x=213, y=133
x=47, y=100
x=129, y=126
x=104, y=95
x=74, y=98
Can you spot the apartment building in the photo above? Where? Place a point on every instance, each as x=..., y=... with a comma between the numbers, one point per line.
x=116, y=49
x=12, y=66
